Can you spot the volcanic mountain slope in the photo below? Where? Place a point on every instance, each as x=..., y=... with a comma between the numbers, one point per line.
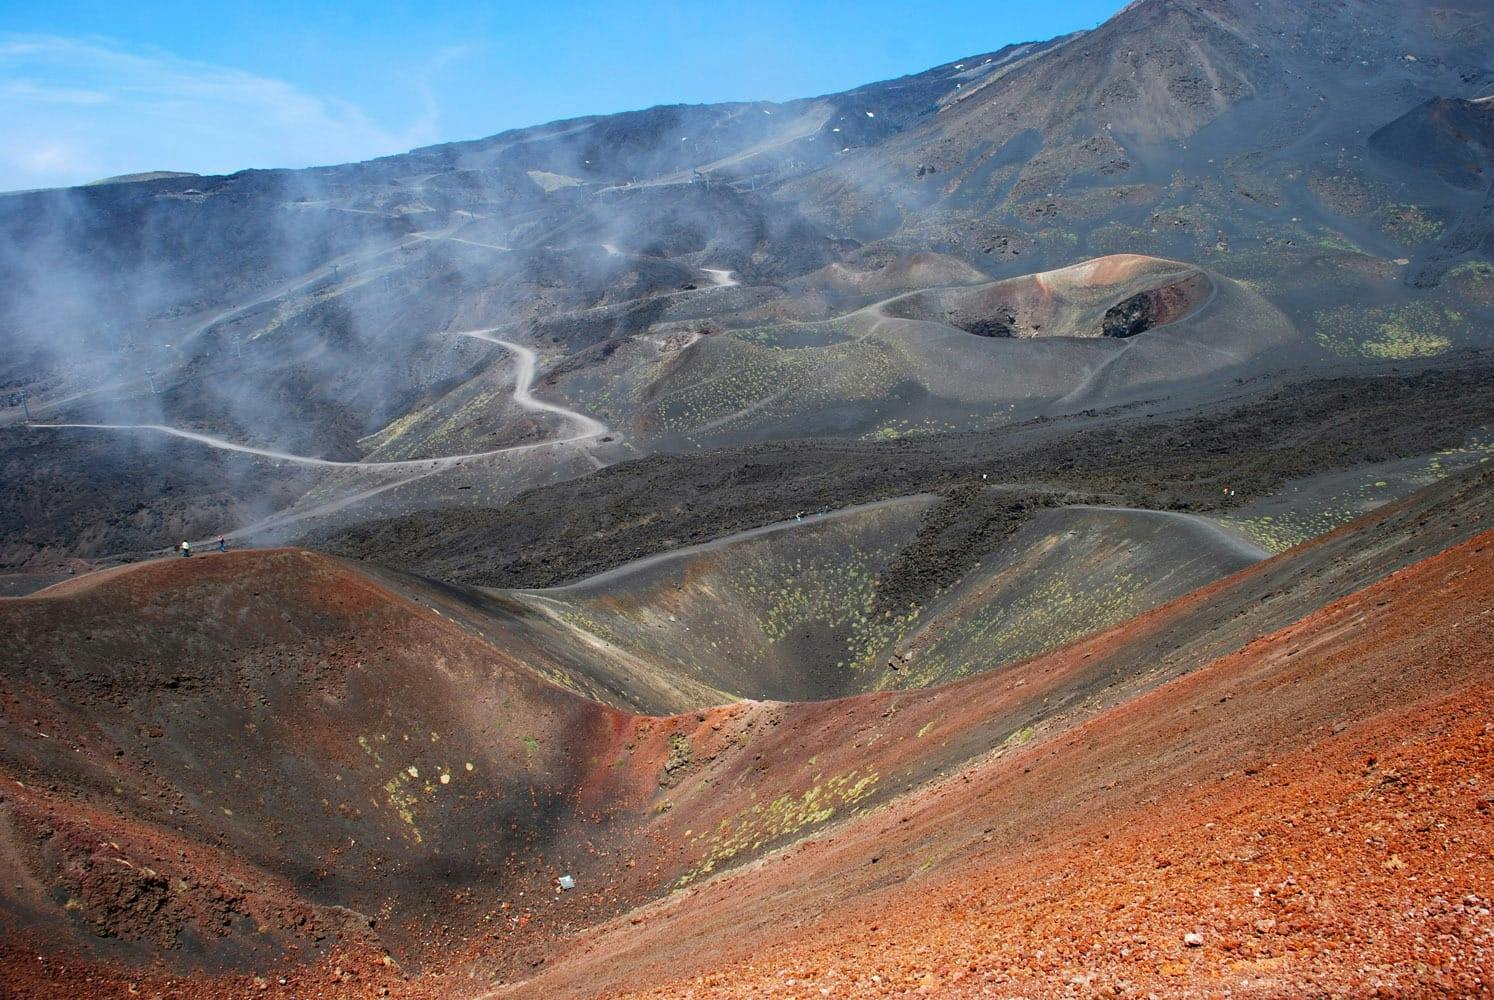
x=1290, y=819
x=1300, y=459
x=948, y=359
x=808, y=609
x=1452, y=137
x=704, y=276
x=243, y=763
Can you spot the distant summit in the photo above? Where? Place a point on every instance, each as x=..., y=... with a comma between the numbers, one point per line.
x=148, y=175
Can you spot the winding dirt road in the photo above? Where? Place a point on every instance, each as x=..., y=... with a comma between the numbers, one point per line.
x=527, y=362
x=524, y=384
x=638, y=565
x=585, y=430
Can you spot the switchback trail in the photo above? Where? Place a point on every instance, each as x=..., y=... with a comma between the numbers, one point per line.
x=586, y=427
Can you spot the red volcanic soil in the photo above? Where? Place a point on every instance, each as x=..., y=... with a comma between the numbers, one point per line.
x=1317, y=807
x=1314, y=803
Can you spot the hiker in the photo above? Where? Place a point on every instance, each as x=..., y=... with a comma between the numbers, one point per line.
x=222, y=545
x=186, y=548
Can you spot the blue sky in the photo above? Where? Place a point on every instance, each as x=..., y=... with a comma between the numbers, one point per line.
x=90, y=89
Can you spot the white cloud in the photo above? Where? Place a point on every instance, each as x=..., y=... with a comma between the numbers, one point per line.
x=53, y=158
x=28, y=90
x=76, y=109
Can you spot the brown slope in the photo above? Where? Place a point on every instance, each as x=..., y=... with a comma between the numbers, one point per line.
x=633, y=806
x=1311, y=806
x=274, y=720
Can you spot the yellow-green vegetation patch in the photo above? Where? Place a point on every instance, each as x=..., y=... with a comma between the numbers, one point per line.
x=1474, y=279
x=402, y=798
x=1185, y=218
x=463, y=419
x=833, y=588
x=1413, y=330
x=794, y=335
x=770, y=822
x=1347, y=193
x=1056, y=241
x=1284, y=529
x=680, y=758
x=1409, y=224
x=394, y=430
x=1478, y=449
x=1279, y=532
x=744, y=382
x=1046, y=617
x=822, y=589
x=1016, y=740
x=812, y=591
x=897, y=430
x=1118, y=238
x=579, y=619
x=1334, y=240
x=736, y=380
x=1475, y=271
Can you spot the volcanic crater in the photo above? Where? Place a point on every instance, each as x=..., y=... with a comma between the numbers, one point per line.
x=1119, y=296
